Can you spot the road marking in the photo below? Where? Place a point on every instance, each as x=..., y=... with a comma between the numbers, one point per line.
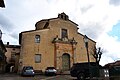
x=50, y=77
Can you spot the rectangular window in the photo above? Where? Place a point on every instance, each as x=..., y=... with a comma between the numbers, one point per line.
x=37, y=58
x=12, y=59
x=64, y=33
x=12, y=55
x=37, y=38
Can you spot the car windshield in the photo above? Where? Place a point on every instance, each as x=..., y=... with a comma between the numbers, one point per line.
x=50, y=68
x=117, y=67
x=28, y=68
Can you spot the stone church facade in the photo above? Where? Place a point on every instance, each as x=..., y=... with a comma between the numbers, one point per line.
x=55, y=42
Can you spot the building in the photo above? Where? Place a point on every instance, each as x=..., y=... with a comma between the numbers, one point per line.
x=2, y=57
x=55, y=42
x=12, y=57
x=112, y=64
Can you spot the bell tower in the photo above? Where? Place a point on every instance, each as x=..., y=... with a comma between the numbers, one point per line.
x=63, y=16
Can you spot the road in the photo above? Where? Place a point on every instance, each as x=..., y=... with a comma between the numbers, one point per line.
x=36, y=77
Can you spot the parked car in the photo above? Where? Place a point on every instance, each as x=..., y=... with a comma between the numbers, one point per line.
x=50, y=71
x=114, y=71
x=28, y=71
x=83, y=70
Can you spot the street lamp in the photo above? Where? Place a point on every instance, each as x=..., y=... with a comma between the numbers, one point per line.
x=86, y=45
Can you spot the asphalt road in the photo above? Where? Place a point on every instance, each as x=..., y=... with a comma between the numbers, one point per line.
x=36, y=77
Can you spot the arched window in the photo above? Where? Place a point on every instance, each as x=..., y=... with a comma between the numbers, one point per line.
x=37, y=38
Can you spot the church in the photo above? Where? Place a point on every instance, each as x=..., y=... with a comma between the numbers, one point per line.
x=55, y=42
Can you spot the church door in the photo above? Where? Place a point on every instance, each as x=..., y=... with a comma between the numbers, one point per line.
x=65, y=61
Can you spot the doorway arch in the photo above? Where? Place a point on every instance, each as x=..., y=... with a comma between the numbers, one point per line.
x=65, y=62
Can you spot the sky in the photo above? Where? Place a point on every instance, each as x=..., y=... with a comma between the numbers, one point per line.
x=98, y=19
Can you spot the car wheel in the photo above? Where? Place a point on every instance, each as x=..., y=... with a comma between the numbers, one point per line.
x=33, y=75
x=55, y=74
x=81, y=76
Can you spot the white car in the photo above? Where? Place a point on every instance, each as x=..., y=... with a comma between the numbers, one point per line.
x=50, y=71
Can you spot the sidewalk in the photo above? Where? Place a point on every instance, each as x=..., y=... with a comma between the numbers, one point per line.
x=64, y=73
x=8, y=74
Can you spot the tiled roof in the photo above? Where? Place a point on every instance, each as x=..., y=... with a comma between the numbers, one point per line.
x=12, y=46
x=109, y=65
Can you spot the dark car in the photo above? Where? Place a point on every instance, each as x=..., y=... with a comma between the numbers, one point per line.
x=50, y=71
x=84, y=70
x=114, y=71
x=28, y=71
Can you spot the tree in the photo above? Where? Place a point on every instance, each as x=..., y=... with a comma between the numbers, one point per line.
x=97, y=54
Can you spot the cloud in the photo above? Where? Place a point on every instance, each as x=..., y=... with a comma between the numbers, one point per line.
x=114, y=2
x=111, y=46
x=85, y=9
x=7, y=28
x=5, y=23
x=93, y=30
